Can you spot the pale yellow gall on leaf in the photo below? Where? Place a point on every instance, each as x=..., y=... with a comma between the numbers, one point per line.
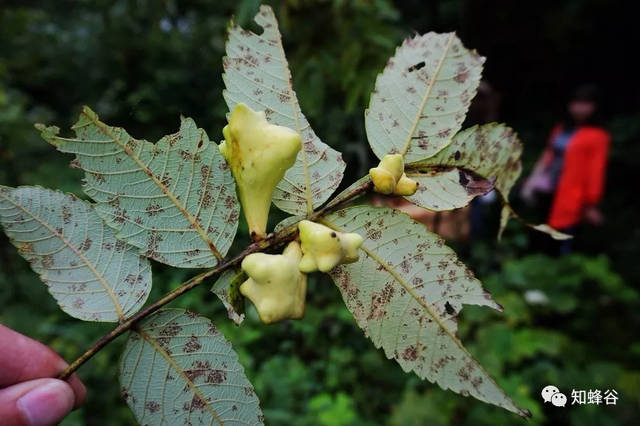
x=323, y=248
x=389, y=177
x=275, y=286
x=406, y=186
x=394, y=164
x=383, y=181
x=259, y=154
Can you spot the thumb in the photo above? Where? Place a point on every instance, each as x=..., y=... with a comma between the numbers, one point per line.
x=39, y=402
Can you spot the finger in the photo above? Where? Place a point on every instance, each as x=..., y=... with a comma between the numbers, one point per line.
x=24, y=359
x=80, y=392
x=40, y=402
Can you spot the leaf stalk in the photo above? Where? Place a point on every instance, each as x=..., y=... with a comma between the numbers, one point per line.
x=272, y=240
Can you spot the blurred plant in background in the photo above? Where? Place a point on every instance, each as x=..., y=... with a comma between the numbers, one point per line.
x=569, y=321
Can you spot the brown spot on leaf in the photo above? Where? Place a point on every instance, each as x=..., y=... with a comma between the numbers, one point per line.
x=379, y=302
x=410, y=353
x=465, y=372
x=197, y=404
x=192, y=345
x=120, y=216
x=152, y=406
x=374, y=234
x=166, y=180
x=153, y=209
x=86, y=244
x=284, y=97
x=47, y=261
x=216, y=377
x=476, y=382
x=66, y=214
x=170, y=330
x=27, y=248
x=132, y=279
x=229, y=202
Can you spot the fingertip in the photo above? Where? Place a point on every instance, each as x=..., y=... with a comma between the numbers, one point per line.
x=46, y=404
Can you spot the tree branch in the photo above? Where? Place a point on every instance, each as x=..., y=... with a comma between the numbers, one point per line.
x=272, y=240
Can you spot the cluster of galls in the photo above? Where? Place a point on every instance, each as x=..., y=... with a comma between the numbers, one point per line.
x=389, y=177
x=259, y=154
x=277, y=283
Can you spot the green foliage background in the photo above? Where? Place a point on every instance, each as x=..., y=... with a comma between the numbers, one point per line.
x=140, y=64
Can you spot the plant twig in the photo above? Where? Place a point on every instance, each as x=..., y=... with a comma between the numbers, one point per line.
x=272, y=240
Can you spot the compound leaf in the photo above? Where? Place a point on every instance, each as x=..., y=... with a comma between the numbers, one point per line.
x=422, y=96
x=93, y=276
x=177, y=368
x=257, y=74
x=406, y=291
x=175, y=200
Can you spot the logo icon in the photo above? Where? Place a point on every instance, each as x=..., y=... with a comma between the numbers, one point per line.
x=559, y=399
x=548, y=392
x=552, y=394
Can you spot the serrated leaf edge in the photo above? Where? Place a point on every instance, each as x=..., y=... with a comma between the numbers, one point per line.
x=78, y=253
x=179, y=370
x=87, y=112
x=435, y=317
x=291, y=94
x=445, y=51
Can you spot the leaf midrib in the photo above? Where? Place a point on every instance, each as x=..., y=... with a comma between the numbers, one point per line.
x=432, y=83
x=78, y=253
x=420, y=301
x=295, y=106
x=180, y=371
x=104, y=129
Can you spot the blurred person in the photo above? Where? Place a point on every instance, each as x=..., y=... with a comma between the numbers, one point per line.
x=29, y=395
x=570, y=173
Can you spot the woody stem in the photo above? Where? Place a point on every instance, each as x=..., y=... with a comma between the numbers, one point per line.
x=273, y=240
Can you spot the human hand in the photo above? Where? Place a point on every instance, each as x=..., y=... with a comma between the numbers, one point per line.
x=28, y=393
x=593, y=216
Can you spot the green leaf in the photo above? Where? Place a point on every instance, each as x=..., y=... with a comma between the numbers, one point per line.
x=422, y=96
x=257, y=74
x=508, y=213
x=553, y=233
x=287, y=221
x=227, y=288
x=175, y=200
x=93, y=276
x=480, y=156
x=177, y=368
x=406, y=291
x=490, y=152
x=447, y=189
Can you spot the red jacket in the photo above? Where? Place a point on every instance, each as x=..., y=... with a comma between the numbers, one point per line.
x=581, y=181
